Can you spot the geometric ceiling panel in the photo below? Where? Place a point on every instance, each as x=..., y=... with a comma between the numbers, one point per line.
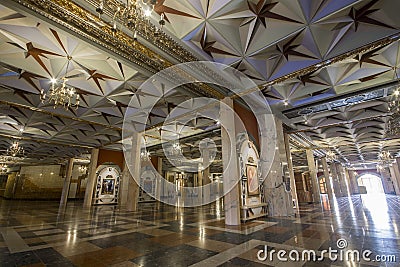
x=269, y=39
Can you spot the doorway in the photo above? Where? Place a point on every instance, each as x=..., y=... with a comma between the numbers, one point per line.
x=371, y=183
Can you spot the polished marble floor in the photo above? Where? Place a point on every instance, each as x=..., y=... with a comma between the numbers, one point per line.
x=41, y=234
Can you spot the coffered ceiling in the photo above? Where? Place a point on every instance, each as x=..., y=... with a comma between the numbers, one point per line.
x=290, y=48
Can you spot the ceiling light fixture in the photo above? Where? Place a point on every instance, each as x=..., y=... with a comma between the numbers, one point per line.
x=285, y=102
x=82, y=169
x=385, y=160
x=145, y=155
x=134, y=14
x=3, y=168
x=60, y=93
x=15, y=149
x=330, y=156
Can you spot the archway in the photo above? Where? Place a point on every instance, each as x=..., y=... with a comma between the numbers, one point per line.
x=370, y=184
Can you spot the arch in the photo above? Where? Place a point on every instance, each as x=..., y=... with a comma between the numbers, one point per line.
x=370, y=183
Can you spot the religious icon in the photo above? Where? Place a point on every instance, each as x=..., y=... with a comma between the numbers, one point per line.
x=107, y=187
x=252, y=178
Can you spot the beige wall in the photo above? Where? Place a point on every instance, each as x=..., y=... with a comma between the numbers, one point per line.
x=39, y=182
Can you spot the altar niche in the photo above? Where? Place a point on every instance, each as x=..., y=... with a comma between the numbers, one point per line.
x=108, y=180
x=252, y=194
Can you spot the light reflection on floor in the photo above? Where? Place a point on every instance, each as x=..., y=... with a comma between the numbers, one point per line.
x=161, y=235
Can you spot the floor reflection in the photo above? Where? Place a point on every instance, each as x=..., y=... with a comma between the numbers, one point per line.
x=40, y=234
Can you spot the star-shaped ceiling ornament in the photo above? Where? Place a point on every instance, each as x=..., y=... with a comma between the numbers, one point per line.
x=261, y=11
x=310, y=78
x=28, y=77
x=37, y=53
x=207, y=46
x=362, y=15
x=368, y=58
x=160, y=8
x=96, y=76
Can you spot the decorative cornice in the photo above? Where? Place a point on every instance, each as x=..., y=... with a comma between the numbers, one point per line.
x=151, y=33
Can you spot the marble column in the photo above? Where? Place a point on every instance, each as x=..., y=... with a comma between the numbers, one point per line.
x=91, y=180
x=123, y=189
x=313, y=175
x=205, y=152
x=342, y=179
x=134, y=174
x=279, y=200
x=349, y=185
x=396, y=168
x=200, y=175
x=229, y=155
x=291, y=172
x=159, y=166
x=336, y=181
x=328, y=178
x=388, y=186
x=353, y=181
x=395, y=179
x=158, y=181
x=67, y=182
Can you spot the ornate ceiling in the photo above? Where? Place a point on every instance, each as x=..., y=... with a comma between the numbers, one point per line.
x=290, y=48
x=268, y=40
x=33, y=53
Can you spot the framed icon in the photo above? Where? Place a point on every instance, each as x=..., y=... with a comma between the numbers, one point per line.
x=252, y=179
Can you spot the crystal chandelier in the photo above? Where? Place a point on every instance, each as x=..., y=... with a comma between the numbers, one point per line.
x=385, y=159
x=134, y=14
x=82, y=169
x=60, y=93
x=145, y=155
x=393, y=125
x=3, y=168
x=15, y=149
x=176, y=149
x=330, y=155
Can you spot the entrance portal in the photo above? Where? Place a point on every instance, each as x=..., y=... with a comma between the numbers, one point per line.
x=372, y=184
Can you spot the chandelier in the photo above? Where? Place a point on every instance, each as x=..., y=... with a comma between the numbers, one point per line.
x=60, y=93
x=145, y=155
x=330, y=155
x=385, y=160
x=393, y=125
x=134, y=14
x=15, y=149
x=82, y=169
x=176, y=149
x=3, y=168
